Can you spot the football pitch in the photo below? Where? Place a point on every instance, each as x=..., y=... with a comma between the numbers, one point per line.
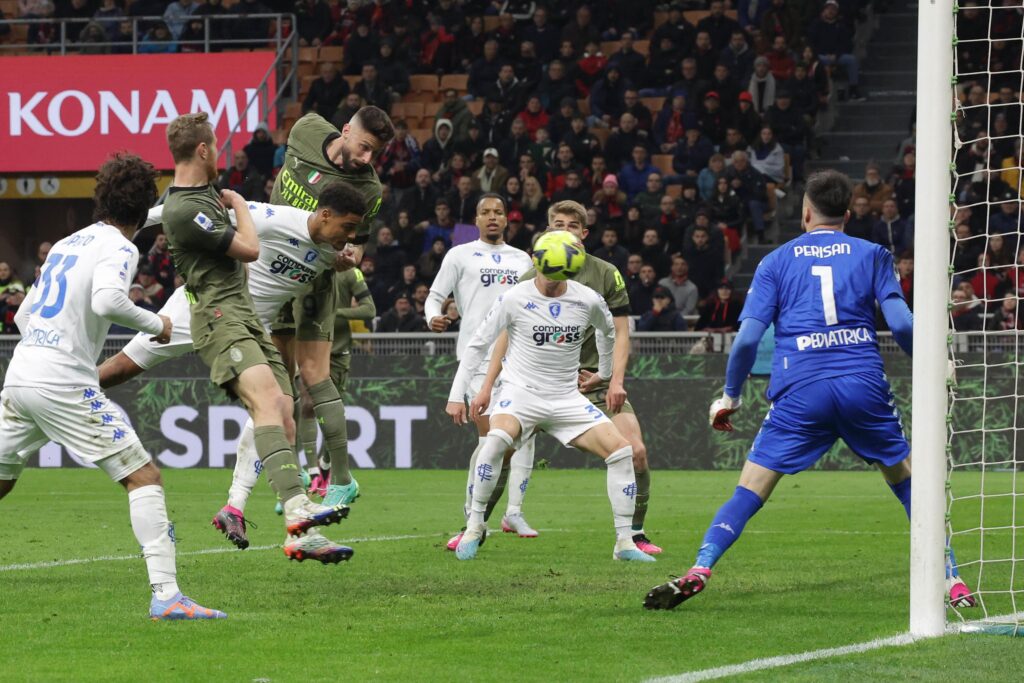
x=824, y=565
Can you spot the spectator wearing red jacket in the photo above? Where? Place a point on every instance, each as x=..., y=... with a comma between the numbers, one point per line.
x=533, y=116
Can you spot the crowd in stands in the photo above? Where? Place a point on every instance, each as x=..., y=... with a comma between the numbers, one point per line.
x=680, y=141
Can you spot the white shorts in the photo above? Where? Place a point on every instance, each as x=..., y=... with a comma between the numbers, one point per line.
x=563, y=417
x=81, y=419
x=148, y=354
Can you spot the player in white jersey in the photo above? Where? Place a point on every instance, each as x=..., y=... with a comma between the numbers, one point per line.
x=51, y=389
x=476, y=273
x=295, y=247
x=546, y=322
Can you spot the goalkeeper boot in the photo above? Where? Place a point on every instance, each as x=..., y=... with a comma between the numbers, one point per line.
x=625, y=549
x=315, y=546
x=516, y=524
x=319, y=483
x=644, y=544
x=342, y=494
x=959, y=594
x=669, y=595
x=302, y=515
x=181, y=607
x=472, y=539
x=231, y=522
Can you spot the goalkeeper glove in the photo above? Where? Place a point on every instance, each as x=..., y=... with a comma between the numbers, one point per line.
x=720, y=411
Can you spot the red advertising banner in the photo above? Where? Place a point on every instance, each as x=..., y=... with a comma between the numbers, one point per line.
x=70, y=113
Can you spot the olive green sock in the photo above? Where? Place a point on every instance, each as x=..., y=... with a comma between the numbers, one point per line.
x=330, y=415
x=279, y=462
x=643, y=495
x=307, y=437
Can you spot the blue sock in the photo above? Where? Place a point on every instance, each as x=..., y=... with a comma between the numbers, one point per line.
x=728, y=525
x=902, y=491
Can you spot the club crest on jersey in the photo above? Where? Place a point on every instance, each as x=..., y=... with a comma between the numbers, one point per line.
x=310, y=256
x=555, y=309
x=203, y=221
x=314, y=177
x=496, y=257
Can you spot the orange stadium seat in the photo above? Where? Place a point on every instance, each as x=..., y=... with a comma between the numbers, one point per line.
x=307, y=54
x=664, y=163
x=305, y=69
x=458, y=81
x=601, y=134
x=491, y=24
x=407, y=110
x=331, y=53
x=643, y=47
x=422, y=135
x=583, y=105
x=421, y=83
x=353, y=81
x=610, y=47
x=674, y=191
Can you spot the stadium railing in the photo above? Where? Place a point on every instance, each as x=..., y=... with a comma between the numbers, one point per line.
x=642, y=343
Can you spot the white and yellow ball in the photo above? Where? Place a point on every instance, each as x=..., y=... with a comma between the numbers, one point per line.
x=558, y=255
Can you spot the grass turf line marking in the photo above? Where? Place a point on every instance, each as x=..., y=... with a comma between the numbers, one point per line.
x=207, y=551
x=785, y=660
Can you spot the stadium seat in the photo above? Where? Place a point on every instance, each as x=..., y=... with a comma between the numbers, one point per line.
x=423, y=83
x=583, y=105
x=655, y=104
x=424, y=98
x=491, y=24
x=675, y=191
x=293, y=110
x=643, y=47
x=660, y=17
x=601, y=134
x=353, y=81
x=332, y=53
x=407, y=110
x=308, y=54
x=664, y=163
x=279, y=137
x=610, y=47
x=305, y=69
x=458, y=81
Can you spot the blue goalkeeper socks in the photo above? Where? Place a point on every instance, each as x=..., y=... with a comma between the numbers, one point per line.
x=728, y=525
x=902, y=491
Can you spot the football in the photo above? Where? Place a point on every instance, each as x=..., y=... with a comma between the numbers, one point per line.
x=558, y=255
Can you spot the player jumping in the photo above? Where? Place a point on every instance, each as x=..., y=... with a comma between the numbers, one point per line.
x=476, y=273
x=827, y=380
x=51, y=389
x=546, y=321
x=226, y=331
x=318, y=153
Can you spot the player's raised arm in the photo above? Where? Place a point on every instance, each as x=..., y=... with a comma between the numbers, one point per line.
x=245, y=245
x=890, y=297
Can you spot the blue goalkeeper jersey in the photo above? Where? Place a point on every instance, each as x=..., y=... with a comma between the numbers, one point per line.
x=820, y=291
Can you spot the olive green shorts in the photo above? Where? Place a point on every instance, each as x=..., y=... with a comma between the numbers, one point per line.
x=232, y=347
x=597, y=397
x=311, y=313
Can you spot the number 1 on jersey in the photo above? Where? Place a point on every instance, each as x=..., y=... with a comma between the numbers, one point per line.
x=828, y=297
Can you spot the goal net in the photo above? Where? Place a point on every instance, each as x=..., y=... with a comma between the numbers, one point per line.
x=985, y=402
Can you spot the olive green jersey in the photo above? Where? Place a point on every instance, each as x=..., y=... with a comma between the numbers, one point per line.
x=199, y=233
x=350, y=285
x=606, y=280
x=307, y=170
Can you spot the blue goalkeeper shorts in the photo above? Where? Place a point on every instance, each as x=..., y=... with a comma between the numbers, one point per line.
x=804, y=423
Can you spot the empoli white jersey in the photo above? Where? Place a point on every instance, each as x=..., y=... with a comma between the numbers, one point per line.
x=289, y=259
x=476, y=274
x=62, y=336
x=545, y=336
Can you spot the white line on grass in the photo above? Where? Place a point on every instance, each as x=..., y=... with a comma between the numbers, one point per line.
x=206, y=551
x=786, y=660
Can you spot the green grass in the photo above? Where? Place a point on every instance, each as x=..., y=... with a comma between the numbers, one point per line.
x=823, y=565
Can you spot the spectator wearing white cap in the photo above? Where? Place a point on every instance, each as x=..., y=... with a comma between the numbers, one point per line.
x=492, y=175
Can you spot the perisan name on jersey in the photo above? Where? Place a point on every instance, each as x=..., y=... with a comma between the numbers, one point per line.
x=502, y=276
x=557, y=334
x=292, y=269
x=822, y=250
x=826, y=340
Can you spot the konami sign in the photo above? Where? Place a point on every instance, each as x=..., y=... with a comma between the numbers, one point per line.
x=69, y=113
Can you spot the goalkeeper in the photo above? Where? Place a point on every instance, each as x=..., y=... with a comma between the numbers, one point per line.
x=827, y=380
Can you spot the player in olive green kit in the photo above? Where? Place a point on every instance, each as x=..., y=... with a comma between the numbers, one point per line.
x=349, y=287
x=208, y=252
x=317, y=153
x=610, y=396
